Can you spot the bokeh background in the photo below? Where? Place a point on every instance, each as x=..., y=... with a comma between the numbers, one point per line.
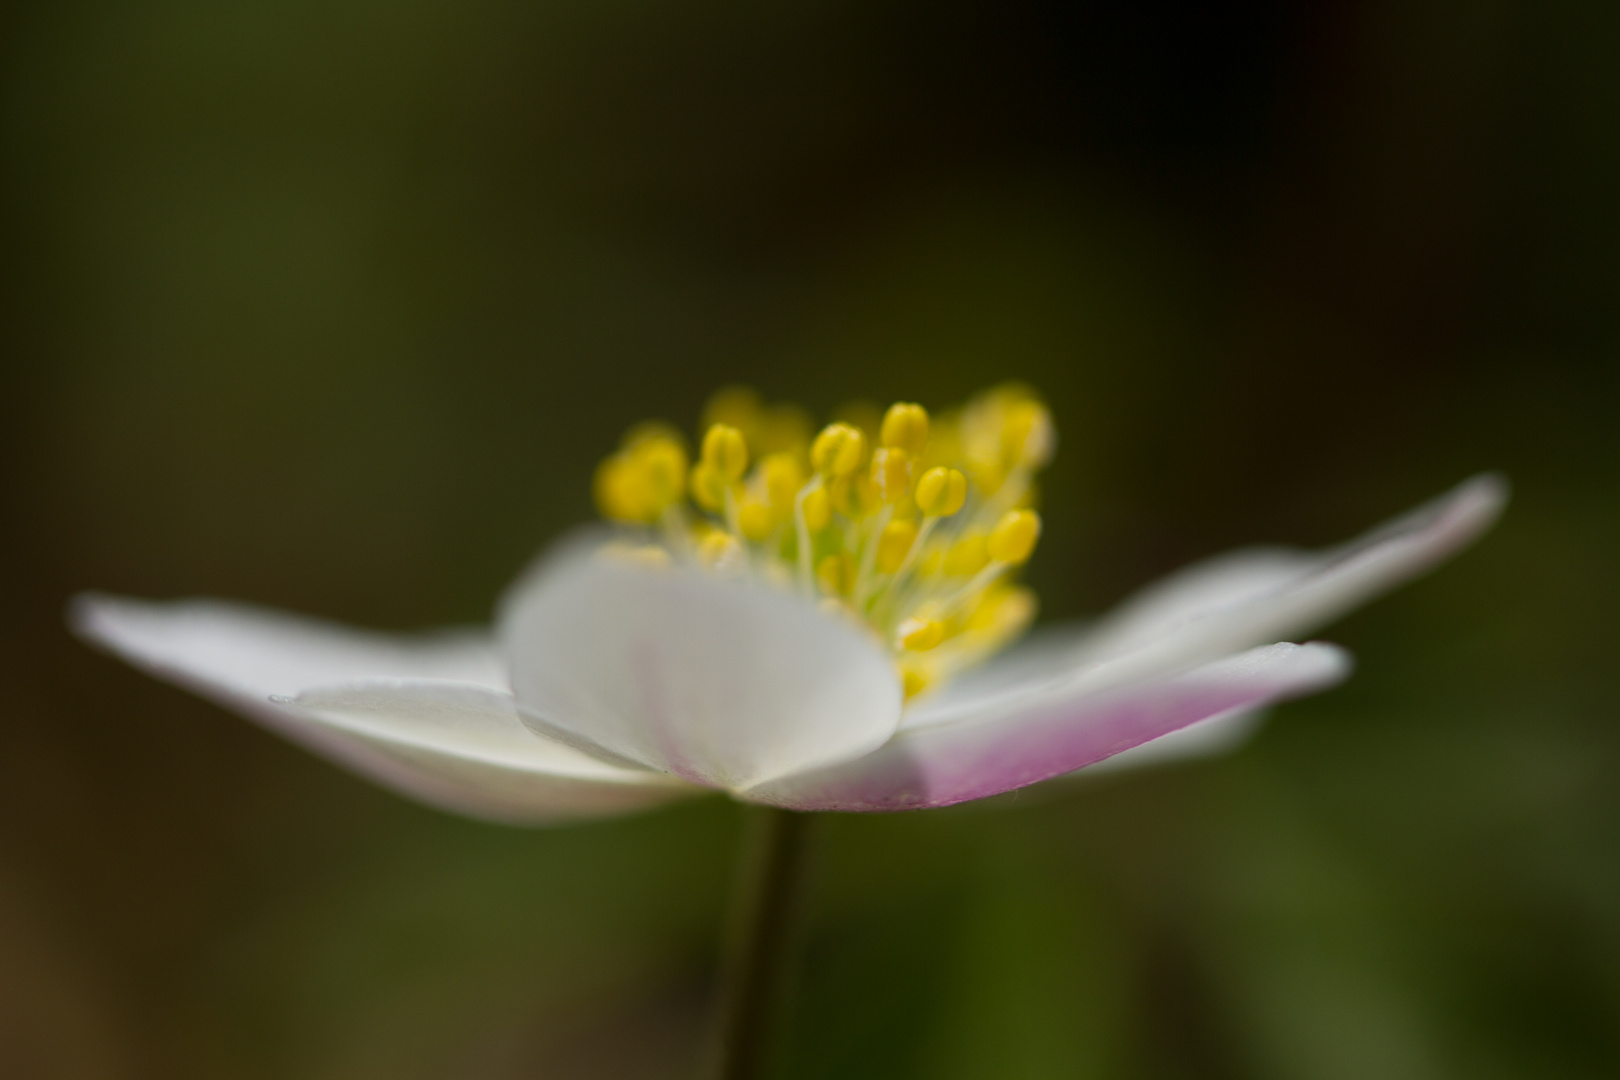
x=333, y=306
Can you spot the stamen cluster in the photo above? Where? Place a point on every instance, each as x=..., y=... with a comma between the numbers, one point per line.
x=909, y=525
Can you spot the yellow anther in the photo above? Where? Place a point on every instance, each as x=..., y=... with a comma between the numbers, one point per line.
x=644, y=479
x=941, y=492
x=919, y=634
x=783, y=476
x=914, y=678
x=620, y=494
x=662, y=461
x=718, y=550
x=856, y=496
x=735, y=406
x=891, y=473
x=836, y=573
x=905, y=426
x=988, y=476
x=894, y=544
x=838, y=450
x=867, y=519
x=1013, y=538
x=708, y=487
x=967, y=556
x=756, y=520
x=1027, y=435
x=1003, y=611
x=726, y=452
x=817, y=510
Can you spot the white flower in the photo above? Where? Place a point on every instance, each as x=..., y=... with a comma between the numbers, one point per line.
x=613, y=682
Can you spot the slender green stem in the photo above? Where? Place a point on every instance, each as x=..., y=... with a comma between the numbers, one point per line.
x=765, y=934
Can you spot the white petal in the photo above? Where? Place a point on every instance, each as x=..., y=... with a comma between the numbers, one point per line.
x=1250, y=598
x=721, y=681
x=1047, y=655
x=1213, y=584
x=260, y=652
x=1045, y=735
x=457, y=758
x=1207, y=738
x=1227, y=604
x=471, y=741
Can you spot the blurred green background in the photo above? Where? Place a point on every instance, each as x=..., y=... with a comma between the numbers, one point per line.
x=333, y=306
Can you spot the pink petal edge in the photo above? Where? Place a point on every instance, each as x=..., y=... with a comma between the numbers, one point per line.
x=941, y=766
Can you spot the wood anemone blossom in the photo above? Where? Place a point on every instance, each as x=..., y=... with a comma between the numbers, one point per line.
x=823, y=626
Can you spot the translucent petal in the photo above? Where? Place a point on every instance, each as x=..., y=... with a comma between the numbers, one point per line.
x=718, y=680
x=454, y=744
x=1233, y=602
x=1251, y=598
x=1044, y=735
x=261, y=652
x=470, y=739
x=1207, y=738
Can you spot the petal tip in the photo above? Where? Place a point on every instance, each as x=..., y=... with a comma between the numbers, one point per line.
x=1480, y=500
x=1325, y=664
x=106, y=621
x=85, y=612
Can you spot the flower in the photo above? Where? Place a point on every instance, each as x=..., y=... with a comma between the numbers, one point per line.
x=816, y=632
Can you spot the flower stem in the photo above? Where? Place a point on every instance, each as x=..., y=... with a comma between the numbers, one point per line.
x=763, y=945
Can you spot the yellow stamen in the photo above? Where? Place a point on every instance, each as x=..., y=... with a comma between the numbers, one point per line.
x=891, y=474
x=708, y=488
x=736, y=406
x=1004, y=610
x=782, y=477
x=967, y=556
x=1027, y=436
x=941, y=492
x=856, y=496
x=838, y=450
x=719, y=551
x=817, y=510
x=726, y=452
x=1013, y=538
x=642, y=480
x=920, y=635
x=905, y=427
x=914, y=678
x=755, y=520
x=933, y=562
x=914, y=541
x=894, y=544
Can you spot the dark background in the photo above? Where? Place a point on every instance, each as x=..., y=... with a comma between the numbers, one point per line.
x=333, y=306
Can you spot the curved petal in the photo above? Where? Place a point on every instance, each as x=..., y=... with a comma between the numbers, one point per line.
x=1241, y=601
x=1207, y=738
x=1047, y=656
x=1213, y=584
x=1049, y=734
x=721, y=681
x=262, y=652
x=470, y=741
x=253, y=661
x=1223, y=605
